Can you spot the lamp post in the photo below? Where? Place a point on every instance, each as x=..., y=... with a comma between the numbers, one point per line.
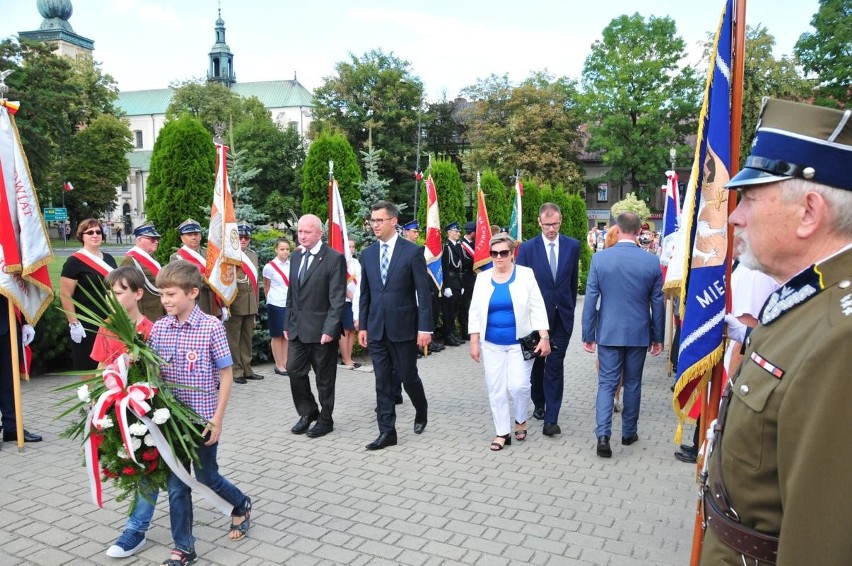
x=673, y=156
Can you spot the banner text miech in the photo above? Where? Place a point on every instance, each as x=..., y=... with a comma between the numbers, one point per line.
x=712, y=293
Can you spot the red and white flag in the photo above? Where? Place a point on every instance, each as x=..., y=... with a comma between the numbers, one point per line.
x=223, y=241
x=68, y=186
x=24, y=245
x=338, y=238
x=481, y=244
x=433, y=248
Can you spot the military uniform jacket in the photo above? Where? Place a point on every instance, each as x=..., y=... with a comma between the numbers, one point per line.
x=786, y=452
x=468, y=275
x=451, y=265
x=245, y=303
x=206, y=296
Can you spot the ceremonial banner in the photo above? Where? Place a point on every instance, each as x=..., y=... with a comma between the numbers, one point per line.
x=433, y=248
x=481, y=244
x=223, y=242
x=705, y=225
x=671, y=219
x=24, y=245
x=517, y=221
x=338, y=238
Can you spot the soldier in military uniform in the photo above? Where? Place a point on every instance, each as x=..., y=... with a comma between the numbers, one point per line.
x=240, y=316
x=451, y=264
x=141, y=257
x=193, y=252
x=467, y=244
x=779, y=467
x=411, y=232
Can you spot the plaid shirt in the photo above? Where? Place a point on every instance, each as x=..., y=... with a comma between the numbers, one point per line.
x=194, y=352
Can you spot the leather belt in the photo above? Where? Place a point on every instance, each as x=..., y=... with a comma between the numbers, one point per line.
x=746, y=541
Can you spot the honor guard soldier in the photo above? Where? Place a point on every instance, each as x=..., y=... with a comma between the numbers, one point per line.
x=411, y=232
x=777, y=491
x=467, y=243
x=193, y=252
x=451, y=264
x=141, y=257
x=240, y=316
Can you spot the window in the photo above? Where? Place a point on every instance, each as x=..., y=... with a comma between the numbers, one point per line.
x=293, y=126
x=124, y=187
x=603, y=189
x=137, y=138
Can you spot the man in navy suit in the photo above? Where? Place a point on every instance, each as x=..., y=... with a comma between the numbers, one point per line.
x=628, y=323
x=395, y=319
x=555, y=260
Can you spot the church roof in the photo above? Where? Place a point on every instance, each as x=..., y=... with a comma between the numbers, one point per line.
x=272, y=94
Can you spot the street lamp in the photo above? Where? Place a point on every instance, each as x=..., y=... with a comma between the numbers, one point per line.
x=673, y=156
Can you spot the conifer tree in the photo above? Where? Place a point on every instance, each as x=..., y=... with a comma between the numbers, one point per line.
x=372, y=190
x=496, y=198
x=450, y=191
x=329, y=147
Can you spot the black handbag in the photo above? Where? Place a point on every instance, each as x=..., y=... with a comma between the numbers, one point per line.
x=529, y=343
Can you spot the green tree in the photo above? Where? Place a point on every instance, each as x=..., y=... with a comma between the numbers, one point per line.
x=241, y=178
x=826, y=52
x=640, y=100
x=531, y=202
x=444, y=133
x=329, y=147
x=375, y=98
x=278, y=156
x=96, y=164
x=631, y=204
x=496, y=198
x=450, y=192
x=533, y=126
x=372, y=190
x=180, y=184
x=764, y=75
x=212, y=103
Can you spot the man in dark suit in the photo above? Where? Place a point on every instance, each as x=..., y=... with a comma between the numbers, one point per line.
x=395, y=319
x=628, y=281
x=314, y=324
x=555, y=260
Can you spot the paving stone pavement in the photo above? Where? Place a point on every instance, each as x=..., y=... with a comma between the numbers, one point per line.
x=438, y=499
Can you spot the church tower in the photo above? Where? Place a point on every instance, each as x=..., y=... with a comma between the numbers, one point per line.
x=221, y=59
x=56, y=31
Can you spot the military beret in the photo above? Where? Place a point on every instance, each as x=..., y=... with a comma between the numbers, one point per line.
x=801, y=141
x=147, y=230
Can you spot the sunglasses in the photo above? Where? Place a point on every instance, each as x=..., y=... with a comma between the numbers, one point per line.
x=500, y=253
x=93, y=232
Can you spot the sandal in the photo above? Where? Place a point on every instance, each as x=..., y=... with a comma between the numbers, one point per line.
x=521, y=433
x=238, y=531
x=496, y=446
x=181, y=558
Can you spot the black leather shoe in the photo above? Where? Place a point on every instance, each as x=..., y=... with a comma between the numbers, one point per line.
x=397, y=400
x=688, y=457
x=604, y=451
x=12, y=436
x=280, y=372
x=688, y=448
x=550, y=429
x=436, y=347
x=451, y=340
x=419, y=424
x=384, y=440
x=256, y=376
x=240, y=380
x=319, y=429
x=628, y=440
x=538, y=414
x=304, y=424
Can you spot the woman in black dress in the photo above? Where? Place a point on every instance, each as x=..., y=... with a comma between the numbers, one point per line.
x=84, y=269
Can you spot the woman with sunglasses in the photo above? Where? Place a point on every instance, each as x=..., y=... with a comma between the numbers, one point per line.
x=84, y=272
x=506, y=305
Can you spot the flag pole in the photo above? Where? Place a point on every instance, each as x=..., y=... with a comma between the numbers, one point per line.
x=330, y=202
x=710, y=409
x=16, y=375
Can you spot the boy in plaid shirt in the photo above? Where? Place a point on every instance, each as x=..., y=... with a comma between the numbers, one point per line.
x=196, y=354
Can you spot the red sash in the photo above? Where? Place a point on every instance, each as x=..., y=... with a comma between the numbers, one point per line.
x=281, y=273
x=189, y=256
x=250, y=271
x=101, y=267
x=145, y=261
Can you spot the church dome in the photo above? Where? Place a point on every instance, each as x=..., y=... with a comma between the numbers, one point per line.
x=49, y=9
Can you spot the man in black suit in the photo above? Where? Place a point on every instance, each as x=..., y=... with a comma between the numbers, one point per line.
x=395, y=319
x=314, y=324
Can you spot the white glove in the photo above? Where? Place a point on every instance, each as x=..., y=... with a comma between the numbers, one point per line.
x=448, y=292
x=736, y=329
x=27, y=335
x=77, y=332
x=226, y=314
x=462, y=291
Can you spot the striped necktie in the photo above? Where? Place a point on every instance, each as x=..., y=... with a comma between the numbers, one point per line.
x=383, y=264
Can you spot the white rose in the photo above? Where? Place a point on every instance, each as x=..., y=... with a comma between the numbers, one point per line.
x=138, y=429
x=84, y=394
x=161, y=416
x=122, y=453
x=136, y=443
x=105, y=422
x=148, y=440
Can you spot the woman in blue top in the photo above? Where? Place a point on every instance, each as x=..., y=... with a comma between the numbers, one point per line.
x=506, y=305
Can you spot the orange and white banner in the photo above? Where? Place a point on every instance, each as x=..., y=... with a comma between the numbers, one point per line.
x=223, y=241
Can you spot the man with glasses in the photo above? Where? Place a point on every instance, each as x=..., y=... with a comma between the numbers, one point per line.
x=395, y=319
x=240, y=316
x=141, y=256
x=555, y=260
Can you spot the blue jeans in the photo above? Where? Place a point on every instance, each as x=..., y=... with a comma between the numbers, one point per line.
x=615, y=362
x=140, y=519
x=180, y=496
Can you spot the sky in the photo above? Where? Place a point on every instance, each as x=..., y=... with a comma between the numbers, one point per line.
x=146, y=44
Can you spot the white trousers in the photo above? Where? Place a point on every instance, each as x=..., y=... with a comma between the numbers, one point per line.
x=506, y=373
